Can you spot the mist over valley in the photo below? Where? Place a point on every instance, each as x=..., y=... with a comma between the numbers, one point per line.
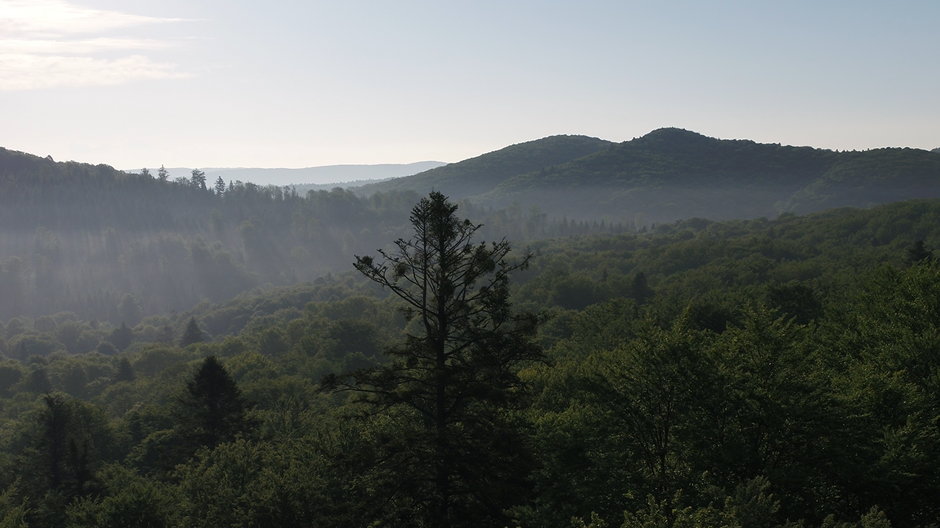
x=116, y=247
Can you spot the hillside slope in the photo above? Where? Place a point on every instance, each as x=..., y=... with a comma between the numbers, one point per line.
x=481, y=174
x=671, y=174
x=113, y=246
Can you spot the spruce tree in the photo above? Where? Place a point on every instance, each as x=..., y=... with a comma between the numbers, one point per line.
x=210, y=410
x=219, y=186
x=918, y=253
x=198, y=179
x=121, y=337
x=192, y=334
x=125, y=372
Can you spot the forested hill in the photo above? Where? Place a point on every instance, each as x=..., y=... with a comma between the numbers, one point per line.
x=480, y=174
x=672, y=173
x=39, y=192
x=113, y=246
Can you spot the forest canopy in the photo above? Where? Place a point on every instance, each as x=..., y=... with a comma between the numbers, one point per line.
x=743, y=373
x=582, y=336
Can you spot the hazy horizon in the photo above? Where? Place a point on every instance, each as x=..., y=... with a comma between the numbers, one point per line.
x=319, y=175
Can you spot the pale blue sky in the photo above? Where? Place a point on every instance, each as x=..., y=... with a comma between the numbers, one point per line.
x=136, y=83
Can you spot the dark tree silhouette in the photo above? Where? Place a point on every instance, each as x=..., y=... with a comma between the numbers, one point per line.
x=121, y=337
x=54, y=422
x=918, y=253
x=64, y=453
x=125, y=371
x=198, y=179
x=38, y=381
x=639, y=289
x=192, y=334
x=457, y=375
x=211, y=410
x=219, y=186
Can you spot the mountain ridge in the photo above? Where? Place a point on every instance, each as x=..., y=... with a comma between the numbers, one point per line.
x=90, y=238
x=343, y=175
x=480, y=173
x=672, y=173
x=668, y=174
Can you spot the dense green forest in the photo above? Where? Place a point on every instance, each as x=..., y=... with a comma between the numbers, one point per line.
x=744, y=373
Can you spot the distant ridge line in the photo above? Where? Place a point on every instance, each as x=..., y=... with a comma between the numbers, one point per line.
x=340, y=174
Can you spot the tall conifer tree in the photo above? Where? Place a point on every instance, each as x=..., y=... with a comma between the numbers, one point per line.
x=455, y=377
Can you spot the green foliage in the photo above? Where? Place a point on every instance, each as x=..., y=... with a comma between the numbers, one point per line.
x=125, y=372
x=64, y=442
x=768, y=373
x=10, y=374
x=317, y=479
x=12, y=513
x=128, y=500
x=454, y=379
x=211, y=410
x=671, y=174
x=482, y=173
x=24, y=346
x=192, y=334
x=37, y=381
x=748, y=506
x=121, y=337
x=874, y=518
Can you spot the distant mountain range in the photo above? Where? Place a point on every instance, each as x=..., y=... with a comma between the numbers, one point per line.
x=672, y=173
x=327, y=175
x=666, y=175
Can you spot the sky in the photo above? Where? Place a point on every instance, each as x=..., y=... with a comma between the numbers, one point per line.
x=297, y=83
